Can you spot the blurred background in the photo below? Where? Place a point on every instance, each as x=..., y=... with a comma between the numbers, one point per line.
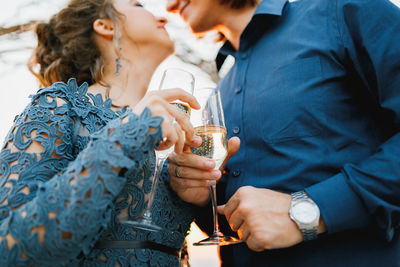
x=16, y=83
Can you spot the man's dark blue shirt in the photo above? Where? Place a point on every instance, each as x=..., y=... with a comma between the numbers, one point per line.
x=314, y=96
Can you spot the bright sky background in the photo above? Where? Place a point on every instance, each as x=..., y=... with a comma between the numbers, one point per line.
x=17, y=83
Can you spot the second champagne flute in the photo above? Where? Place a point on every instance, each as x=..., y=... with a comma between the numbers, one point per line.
x=171, y=78
x=209, y=124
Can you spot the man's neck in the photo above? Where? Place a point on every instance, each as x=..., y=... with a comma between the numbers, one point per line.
x=234, y=22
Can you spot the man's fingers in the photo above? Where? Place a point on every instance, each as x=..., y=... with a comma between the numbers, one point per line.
x=221, y=209
x=188, y=173
x=236, y=220
x=233, y=148
x=253, y=243
x=244, y=232
x=231, y=206
x=192, y=161
x=179, y=183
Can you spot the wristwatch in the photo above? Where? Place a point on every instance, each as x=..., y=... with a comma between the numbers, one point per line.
x=305, y=213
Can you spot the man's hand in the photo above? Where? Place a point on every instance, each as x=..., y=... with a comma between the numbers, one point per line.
x=190, y=173
x=261, y=218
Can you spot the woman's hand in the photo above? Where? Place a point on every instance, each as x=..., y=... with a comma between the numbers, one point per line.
x=175, y=123
x=190, y=173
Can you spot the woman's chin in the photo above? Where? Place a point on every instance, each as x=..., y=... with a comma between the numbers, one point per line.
x=169, y=48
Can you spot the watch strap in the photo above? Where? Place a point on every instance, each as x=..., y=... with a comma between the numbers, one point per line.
x=299, y=195
x=309, y=232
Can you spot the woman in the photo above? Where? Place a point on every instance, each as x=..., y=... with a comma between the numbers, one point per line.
x=74, y=163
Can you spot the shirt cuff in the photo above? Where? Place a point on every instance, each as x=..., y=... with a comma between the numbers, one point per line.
x=340, y=208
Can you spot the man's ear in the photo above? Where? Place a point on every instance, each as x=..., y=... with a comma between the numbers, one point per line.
x=104, y=28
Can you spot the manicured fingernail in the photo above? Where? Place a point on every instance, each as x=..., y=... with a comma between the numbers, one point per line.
x=210, y=164
x=196, y=140
x=215, y=174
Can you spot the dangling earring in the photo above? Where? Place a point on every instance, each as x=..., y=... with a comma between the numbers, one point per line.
x=118, y=65
x=117, y=60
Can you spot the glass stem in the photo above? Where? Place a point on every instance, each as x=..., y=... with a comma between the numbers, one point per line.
x=157, y=171
x=213, y=195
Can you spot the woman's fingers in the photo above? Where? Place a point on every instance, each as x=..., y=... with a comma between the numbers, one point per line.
x=181, y=138
x=169, y=133
x=159, y=104
x=175, y=114
x=171, y=95
x=183, y=121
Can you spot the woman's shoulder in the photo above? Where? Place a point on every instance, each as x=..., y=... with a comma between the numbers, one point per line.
x=76, y=98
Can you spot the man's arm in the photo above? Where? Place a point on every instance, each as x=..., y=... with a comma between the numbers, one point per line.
x=363, y=192
x=369, y=190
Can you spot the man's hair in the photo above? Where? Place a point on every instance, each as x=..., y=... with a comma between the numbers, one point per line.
x=238, y=3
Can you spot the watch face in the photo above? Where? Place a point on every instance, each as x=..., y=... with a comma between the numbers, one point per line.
x=305, y=212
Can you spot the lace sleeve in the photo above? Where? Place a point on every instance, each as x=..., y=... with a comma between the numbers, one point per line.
x=53, y=207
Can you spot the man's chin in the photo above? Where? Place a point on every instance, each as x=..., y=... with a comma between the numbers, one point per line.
x=198, y=30
x=199, y=35
x=201, y=32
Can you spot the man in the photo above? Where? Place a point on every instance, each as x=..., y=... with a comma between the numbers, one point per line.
x=314, y=97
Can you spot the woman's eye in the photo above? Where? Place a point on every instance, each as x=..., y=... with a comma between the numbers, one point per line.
x=136, y=3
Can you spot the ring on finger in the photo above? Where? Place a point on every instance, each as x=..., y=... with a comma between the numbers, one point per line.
x=174, y=122
x=177, y=171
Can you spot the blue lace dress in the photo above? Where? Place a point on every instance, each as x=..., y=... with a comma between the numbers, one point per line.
x=71, y=167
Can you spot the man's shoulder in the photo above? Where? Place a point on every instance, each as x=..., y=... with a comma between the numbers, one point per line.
x=372, y=5
x=344, y=4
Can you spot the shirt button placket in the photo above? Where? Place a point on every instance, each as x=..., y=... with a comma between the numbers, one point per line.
x=238, y=90
x=236, y=173
x=236, y=130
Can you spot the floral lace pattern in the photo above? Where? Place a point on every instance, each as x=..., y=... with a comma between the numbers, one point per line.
x=62, y=187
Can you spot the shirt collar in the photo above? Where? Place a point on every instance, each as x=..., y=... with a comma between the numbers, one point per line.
x=270, y=7
x=266, y=8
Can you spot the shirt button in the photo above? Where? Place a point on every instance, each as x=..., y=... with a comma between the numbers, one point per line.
x=236, y=130
x=236, y=173
x=244, y=56
x=238, y=90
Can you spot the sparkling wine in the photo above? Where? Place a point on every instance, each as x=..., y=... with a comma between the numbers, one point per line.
x=214, y=143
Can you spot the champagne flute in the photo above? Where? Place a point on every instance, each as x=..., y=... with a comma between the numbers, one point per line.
x=209, y=124
x=171, y=78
